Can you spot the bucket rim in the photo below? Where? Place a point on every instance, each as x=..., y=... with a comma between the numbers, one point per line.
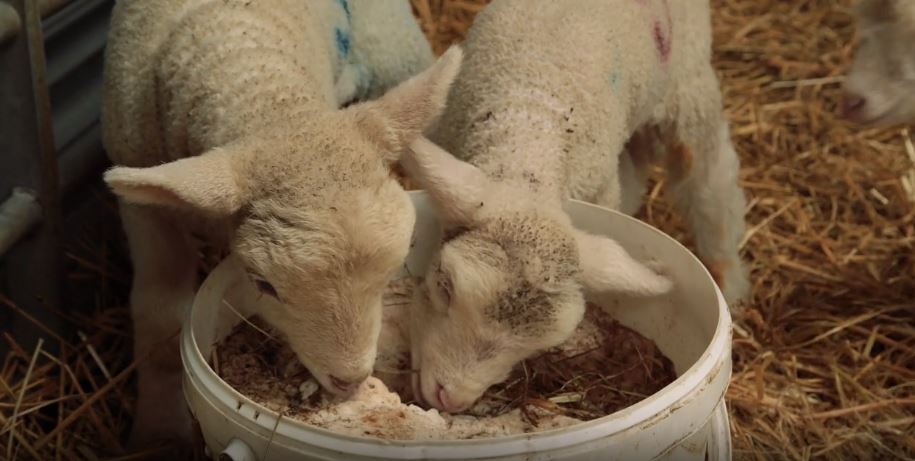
x=286, y=430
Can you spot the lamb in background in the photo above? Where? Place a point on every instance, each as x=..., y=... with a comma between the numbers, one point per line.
x=880, y=87
x=547, y=97
x=223, y=118
x=387, y=43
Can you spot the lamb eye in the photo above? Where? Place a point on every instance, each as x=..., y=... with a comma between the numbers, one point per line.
x=266, y=288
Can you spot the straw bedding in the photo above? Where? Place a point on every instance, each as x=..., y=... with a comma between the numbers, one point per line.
x=824, y=356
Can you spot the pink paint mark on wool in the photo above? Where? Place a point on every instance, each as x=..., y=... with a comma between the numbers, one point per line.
x=663, y=36
x=662, y=33
x=662, y=41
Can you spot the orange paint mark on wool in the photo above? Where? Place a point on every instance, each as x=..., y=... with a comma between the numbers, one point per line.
x=680, y=160
x=717, y=269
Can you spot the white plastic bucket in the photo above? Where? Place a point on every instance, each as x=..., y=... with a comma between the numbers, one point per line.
x=684, y=421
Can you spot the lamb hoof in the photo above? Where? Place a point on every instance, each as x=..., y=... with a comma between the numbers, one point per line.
x=732, y=281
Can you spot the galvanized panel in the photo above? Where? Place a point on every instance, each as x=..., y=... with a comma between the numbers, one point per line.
x=29, y=272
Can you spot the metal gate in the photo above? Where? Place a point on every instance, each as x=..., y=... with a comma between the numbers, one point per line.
x=51, y=55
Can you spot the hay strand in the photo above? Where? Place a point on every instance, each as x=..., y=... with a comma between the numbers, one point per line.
x=25, y=383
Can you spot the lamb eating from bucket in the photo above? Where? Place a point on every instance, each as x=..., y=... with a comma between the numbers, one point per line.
x=602, y=368
x=222, y=120
x=542, y=117
x=510, y=277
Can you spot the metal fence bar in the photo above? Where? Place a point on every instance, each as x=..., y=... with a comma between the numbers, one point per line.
x=18, y=215
x=30, y=272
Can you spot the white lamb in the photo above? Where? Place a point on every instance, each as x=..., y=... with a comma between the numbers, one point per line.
x=388, y=45
x=223, y=116
x=547, y=97
x=880, y=87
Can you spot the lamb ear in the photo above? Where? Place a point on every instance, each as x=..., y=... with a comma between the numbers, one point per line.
x=206, y=184
x=403, y=113
x=457, y=188
x=607, y=268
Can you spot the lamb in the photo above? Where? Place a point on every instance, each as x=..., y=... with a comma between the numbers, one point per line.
x=543, y=116
x=222, y=116
x=388, y=46
x=880, y=86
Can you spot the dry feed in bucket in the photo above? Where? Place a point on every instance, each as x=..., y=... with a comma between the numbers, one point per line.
x=603, y=368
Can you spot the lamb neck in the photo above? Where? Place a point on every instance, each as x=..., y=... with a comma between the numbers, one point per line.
x=522, y=148
x=261, y=70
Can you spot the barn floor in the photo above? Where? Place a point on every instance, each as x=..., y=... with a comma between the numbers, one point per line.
x=824, y=356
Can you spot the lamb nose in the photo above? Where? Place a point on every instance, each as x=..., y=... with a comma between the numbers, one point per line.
x=446, y=402
x=852, y=104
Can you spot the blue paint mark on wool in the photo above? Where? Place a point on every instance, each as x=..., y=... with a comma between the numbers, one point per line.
x=615, y=75
x=343, y=41
x=345, y=5
x=340, y=34
x=615, y=80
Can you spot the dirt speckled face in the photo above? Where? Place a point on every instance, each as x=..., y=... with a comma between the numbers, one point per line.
x=497, y=293
x=322, y=274
x=507, y=282
x=315, y=216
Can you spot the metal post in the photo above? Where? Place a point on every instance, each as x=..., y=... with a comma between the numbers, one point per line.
x=18, y=215
x=30, y=272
